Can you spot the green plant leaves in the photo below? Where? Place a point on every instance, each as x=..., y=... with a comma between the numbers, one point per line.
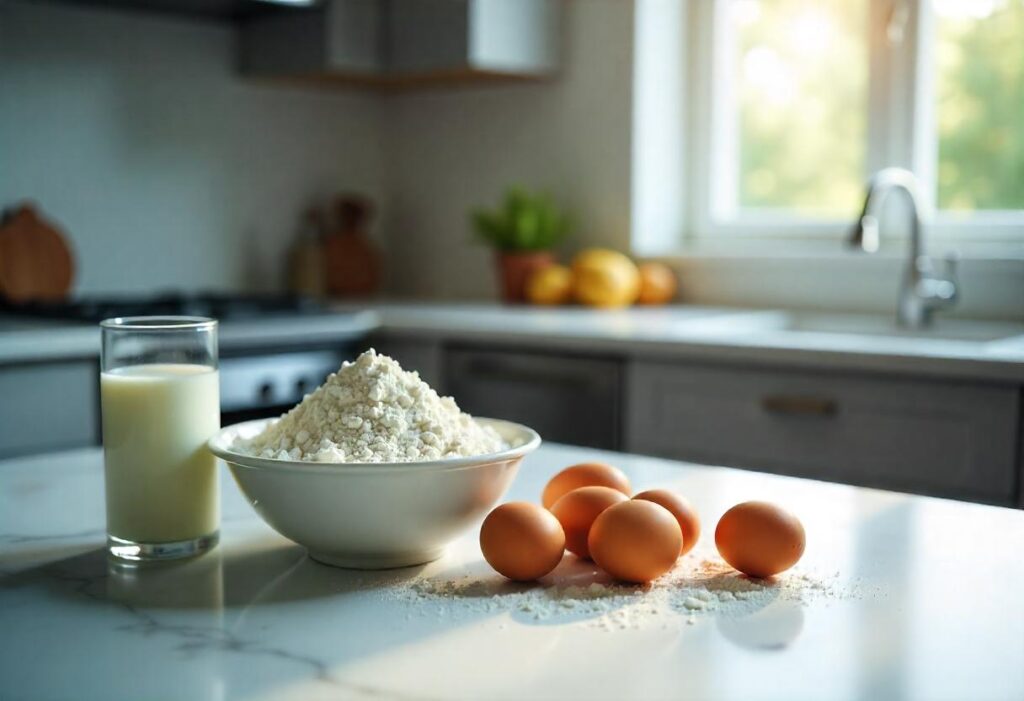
x=523, y=222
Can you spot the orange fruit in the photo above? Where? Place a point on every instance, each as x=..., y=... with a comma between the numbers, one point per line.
x=657, y=283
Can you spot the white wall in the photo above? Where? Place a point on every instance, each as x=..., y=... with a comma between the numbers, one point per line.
x=135, y=133
x=450, y=150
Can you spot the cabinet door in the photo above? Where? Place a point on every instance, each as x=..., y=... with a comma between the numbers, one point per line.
x=938, y=438
x=564, y=398
x=424, y=355
x=48, y=406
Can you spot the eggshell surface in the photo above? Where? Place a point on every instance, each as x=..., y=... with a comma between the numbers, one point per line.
x=522, y=541
x=760, y=539
x=680, y=507
x=587, y=474
x=636, y=541
x=578, y=509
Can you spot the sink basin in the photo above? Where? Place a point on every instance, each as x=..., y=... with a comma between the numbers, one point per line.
x=861, y=325
x=941, y=329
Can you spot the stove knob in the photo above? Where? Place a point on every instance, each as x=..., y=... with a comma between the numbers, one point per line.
x=266, y=392
x=301, y=386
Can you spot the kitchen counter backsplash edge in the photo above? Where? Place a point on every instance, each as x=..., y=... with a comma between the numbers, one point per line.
x=543, y=330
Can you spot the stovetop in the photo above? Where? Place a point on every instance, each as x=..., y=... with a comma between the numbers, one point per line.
x=214, y=305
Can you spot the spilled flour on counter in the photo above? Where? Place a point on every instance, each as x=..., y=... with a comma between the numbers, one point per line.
x=578, y=591
x=373, y=411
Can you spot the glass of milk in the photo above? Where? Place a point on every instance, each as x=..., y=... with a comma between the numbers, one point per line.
x=160, y=396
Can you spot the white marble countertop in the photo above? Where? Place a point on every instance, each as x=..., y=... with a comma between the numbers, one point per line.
x=929, y=607
x=712, y=334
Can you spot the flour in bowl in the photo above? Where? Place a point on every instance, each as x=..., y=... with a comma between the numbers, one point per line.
x=373, y=411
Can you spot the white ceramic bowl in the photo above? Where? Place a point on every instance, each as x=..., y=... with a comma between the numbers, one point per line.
x=374, y=515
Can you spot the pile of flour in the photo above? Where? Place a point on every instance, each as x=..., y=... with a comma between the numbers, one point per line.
x=373, y=411
x=579, y=592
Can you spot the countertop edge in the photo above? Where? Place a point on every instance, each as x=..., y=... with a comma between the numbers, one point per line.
x=75, y=342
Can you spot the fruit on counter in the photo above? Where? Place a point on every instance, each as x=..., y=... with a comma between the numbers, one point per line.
x=585, y=474
x=635, y=541
x=760, y=539
x=680, y=507
x=657, y=283
x=522, y=541
x=578, y=509
x=605, y=278
x=550, y=285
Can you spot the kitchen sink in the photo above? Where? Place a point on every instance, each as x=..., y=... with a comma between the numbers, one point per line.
x=861, y=325
x=941, y=329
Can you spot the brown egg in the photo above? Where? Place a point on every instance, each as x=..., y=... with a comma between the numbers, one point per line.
x=577, y=510
x=680, y=507
x=587, y=474
x=759, y=539
x=522, y=541
x=636, y=541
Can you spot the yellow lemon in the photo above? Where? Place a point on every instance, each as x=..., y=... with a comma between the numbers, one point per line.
x=605, y=278
x=550, y=285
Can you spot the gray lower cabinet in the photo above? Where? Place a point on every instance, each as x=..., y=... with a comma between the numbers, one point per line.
x=943, y=438
x=414, y=353
x=48, y=406
x=566, y=398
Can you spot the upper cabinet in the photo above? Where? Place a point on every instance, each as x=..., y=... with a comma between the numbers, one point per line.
x=389, y=44
x=405, y=43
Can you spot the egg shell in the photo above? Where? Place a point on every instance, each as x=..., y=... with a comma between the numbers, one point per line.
x=760, y=539
x=587, y=474
x=680, y=507
x=636, y=541
x=522, y=541
x=577, y=510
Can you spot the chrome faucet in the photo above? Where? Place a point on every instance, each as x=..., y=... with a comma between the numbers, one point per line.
x=922, y=291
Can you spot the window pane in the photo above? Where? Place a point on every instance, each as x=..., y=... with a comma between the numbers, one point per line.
x=800, y=69
x=979, y=81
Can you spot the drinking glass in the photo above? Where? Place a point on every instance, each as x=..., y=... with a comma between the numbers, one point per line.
x=160, y=396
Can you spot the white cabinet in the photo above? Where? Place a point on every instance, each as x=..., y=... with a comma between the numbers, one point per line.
x=48, y=406
x=942, y=438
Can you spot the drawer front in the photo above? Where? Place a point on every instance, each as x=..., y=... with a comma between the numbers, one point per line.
x=950, y=439
x=49, y=406
x=566, y=399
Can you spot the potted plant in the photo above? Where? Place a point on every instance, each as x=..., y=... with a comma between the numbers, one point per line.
x=523, y=230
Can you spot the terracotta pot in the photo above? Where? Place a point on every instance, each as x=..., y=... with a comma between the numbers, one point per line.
x=515, y=269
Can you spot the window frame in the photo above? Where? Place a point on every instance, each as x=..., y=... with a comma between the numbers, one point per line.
x=901, y=131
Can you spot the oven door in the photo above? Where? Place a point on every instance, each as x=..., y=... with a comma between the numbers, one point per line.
x=254, y=386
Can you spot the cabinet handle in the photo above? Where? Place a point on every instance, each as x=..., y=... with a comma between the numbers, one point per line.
x=797, y=405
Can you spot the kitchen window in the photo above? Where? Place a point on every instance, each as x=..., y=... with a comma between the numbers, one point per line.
x=792, y=104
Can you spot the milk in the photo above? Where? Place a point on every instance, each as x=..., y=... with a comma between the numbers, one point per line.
x=162, y=483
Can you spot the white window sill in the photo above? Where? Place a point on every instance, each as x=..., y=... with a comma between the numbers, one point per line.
x=809, y=249
x=825, y=276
